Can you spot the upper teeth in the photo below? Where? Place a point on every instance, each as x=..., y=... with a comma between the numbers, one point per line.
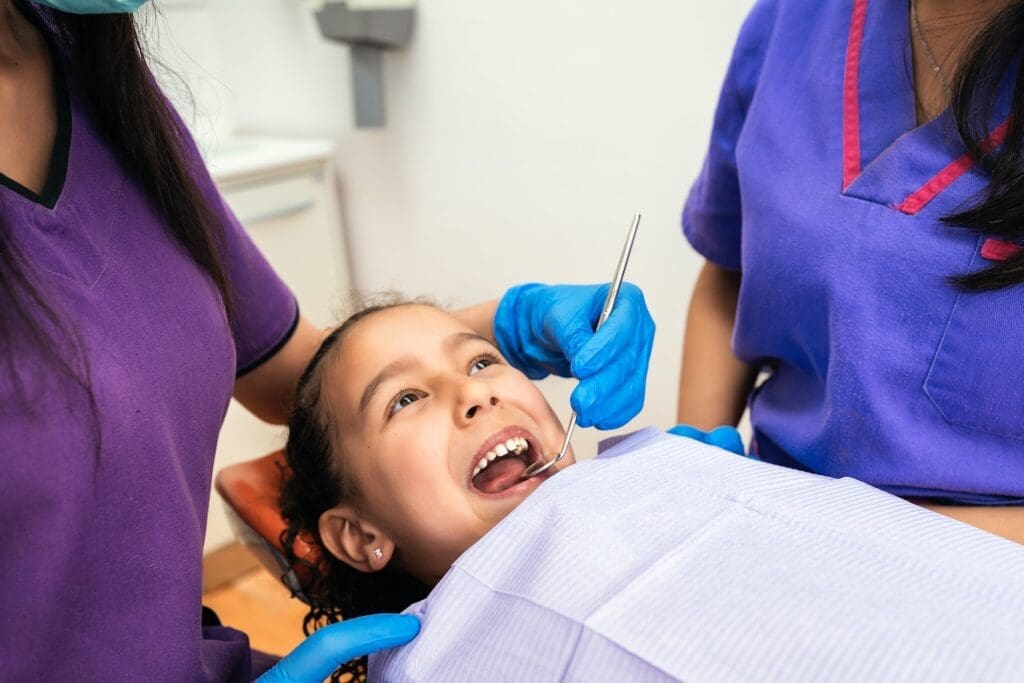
x=515, y=445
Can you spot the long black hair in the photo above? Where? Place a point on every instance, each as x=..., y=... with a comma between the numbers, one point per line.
x=994, y=57
x=104, y=56
x=314, y=483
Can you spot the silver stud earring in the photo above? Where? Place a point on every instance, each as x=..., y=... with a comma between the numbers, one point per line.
x=378, y=553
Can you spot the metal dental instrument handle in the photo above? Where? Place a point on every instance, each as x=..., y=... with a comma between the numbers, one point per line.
x=609, y=303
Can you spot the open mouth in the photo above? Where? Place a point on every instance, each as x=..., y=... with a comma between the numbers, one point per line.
x=499, y=464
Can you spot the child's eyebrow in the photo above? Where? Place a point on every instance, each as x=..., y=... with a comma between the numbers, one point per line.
x=387, y=372
x=459, y=338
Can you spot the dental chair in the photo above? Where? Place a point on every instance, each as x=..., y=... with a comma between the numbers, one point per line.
x=250, y=492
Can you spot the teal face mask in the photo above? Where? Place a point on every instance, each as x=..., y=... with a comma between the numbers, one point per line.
x=93, y=6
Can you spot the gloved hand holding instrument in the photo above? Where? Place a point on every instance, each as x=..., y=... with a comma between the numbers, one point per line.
x=551, y=329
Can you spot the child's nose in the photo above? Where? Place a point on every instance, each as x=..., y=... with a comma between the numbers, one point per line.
x=475, y=409
x=475, y=398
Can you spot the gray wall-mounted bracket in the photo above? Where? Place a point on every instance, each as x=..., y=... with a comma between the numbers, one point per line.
x=382, y=26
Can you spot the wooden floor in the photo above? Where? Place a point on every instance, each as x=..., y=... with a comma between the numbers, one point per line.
x=259, y=605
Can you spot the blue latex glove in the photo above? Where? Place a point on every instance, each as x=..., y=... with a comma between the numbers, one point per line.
x=725, y=437
x=545, y=329
x=318, y=656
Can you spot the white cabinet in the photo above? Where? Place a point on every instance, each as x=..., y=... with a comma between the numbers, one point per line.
x=284, y=192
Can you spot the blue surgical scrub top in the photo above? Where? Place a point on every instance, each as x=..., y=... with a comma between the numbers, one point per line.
x=821, y=188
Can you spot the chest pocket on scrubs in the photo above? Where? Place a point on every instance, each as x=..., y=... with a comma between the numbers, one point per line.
x=976, y=378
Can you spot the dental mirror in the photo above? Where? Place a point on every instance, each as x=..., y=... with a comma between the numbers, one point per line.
x=609, y=303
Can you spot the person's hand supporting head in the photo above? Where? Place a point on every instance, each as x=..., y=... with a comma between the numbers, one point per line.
x=549, y=329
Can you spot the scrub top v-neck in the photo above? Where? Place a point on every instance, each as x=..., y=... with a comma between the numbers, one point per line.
x=822, y=190
x=108, y=454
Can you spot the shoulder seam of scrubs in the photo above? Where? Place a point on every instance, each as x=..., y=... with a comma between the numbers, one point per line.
x=269, y=353
x=56, y=174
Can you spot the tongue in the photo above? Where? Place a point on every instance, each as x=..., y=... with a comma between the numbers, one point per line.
x=500, y=475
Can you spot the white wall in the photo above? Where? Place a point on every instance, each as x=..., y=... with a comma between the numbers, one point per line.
x=522, y=137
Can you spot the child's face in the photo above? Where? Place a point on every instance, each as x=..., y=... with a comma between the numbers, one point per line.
x=421, y=401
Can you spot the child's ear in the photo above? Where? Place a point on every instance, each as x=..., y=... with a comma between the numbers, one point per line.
x=355, y=541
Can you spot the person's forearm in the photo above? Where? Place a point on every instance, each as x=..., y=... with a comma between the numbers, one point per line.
x=713, y=383
x=267, y=391
x=1007, y=522
x=480, y=317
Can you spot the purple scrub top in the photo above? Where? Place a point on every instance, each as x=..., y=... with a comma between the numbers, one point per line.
x=820, y=187
x=103, y=512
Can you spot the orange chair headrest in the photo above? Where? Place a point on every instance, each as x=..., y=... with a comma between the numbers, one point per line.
x=253, y=490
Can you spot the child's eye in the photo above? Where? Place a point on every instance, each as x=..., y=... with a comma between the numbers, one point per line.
x=481, y=363
x=403, y=400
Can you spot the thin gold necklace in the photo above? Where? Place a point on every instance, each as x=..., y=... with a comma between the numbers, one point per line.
x=927, y=49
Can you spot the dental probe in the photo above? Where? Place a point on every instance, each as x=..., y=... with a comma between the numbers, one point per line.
x=609, y=303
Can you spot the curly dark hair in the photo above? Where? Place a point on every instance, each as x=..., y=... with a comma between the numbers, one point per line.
x=315, y=483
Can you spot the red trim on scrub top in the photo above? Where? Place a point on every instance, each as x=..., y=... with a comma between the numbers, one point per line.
x=998, y=250
x=941, y=180
x=851, y=97
x=918, y=199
